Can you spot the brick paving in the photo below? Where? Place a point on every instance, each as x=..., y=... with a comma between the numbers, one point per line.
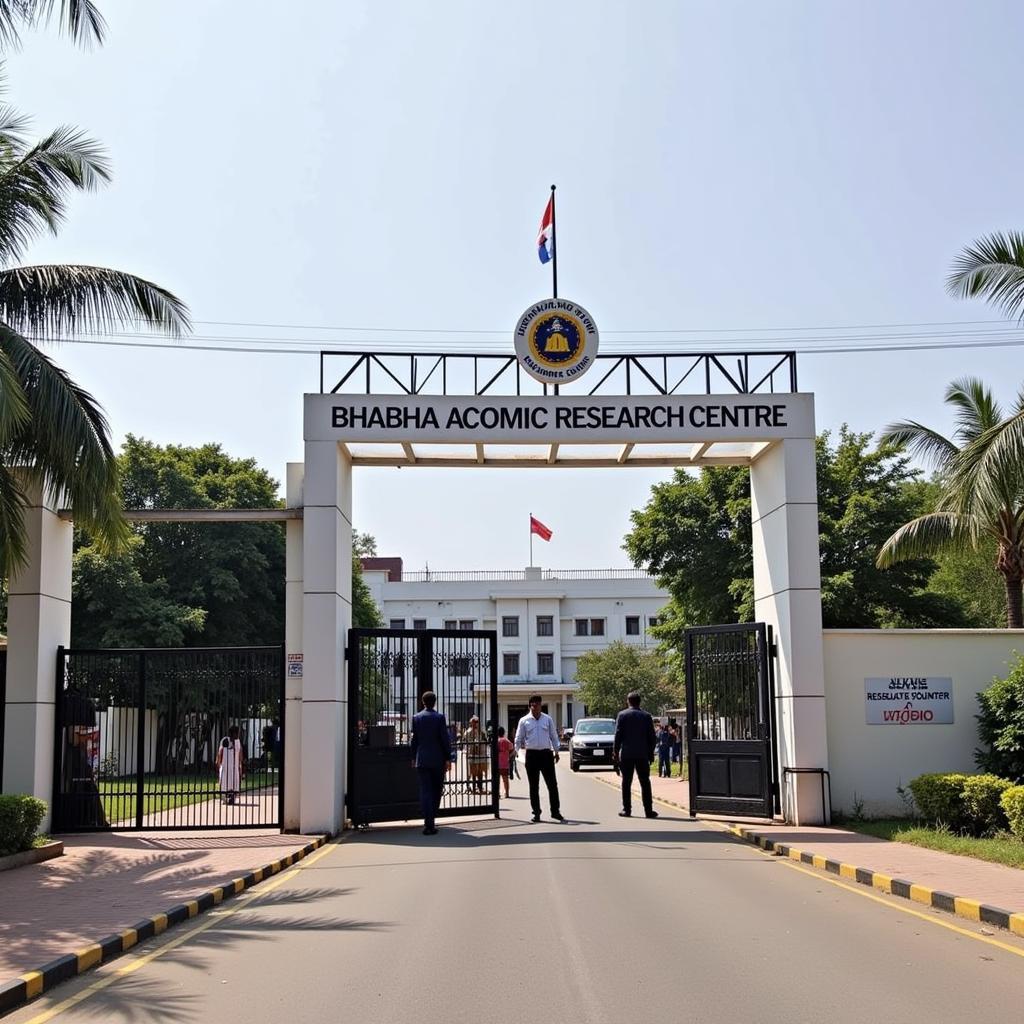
x=108, y=881
x=994, y=884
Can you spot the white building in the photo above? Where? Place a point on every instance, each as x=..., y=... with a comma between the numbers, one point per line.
x=545, y=620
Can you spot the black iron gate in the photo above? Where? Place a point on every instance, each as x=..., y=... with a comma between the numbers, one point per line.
x=140, y=739
x=388, y=671
x=730, y=720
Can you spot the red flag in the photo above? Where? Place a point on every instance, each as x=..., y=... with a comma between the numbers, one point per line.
x=537, y=527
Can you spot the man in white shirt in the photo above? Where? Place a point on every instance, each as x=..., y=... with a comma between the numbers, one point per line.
x=536, y=734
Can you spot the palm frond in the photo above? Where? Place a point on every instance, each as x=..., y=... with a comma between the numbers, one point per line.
x=925, y=536
x=13, y=541
x=34, y=183
x=991, y=268
x=67, y=442
x=80, y=19
x=48, y=302
x=976, y=409
x=990, y=471
x=14, y=412
x=921, y=441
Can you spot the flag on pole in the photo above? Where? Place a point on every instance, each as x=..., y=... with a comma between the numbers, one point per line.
x=545, y=236
x=537, y=527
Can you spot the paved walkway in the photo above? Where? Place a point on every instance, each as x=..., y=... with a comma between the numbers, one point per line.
x=106, y=882
x=967, y=877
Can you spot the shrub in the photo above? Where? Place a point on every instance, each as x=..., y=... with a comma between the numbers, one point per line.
x=939, y=798
x=1013, y=806
x=983, y=813
x=19, y=822
x=1001, y=726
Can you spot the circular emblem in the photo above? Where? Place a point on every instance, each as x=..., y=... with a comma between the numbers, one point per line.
x=556, y=341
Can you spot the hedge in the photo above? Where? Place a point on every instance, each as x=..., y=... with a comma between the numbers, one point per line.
x=19, y=822
x=1013, y=805
x=964, y=803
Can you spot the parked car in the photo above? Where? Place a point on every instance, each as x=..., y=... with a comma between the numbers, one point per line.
x=591, y=743
x=563, y=743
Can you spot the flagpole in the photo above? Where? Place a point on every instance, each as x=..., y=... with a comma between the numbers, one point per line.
x=531, y=540
x=554, y=253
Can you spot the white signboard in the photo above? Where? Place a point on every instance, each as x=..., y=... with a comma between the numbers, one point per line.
x=558, y=419
x=909, y=700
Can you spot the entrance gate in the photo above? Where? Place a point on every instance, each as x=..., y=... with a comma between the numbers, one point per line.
x=389, y=669
x=138, y=733
x=730, y=720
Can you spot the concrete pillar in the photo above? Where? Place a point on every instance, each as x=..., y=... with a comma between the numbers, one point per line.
x=787, y=594
x=38, y=622
x=326, y=617
x=293, y=647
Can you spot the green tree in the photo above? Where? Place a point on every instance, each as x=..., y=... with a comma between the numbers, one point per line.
x=232, y=572
x=981, y=482
x=694, y=535
x=605, y=677
x=1001, y=726
x=991, y=268
x=115, y=607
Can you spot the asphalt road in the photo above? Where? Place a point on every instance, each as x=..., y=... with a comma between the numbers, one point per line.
x=600, y=920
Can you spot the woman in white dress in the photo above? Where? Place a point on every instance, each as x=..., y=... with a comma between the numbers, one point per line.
x=230, y=765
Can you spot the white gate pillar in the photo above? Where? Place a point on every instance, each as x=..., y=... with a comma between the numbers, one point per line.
x=293, y=646
x=38, y=622
x=326, y=617
x=787, y=594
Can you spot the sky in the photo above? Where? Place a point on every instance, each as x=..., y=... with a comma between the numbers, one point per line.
x=355, y=173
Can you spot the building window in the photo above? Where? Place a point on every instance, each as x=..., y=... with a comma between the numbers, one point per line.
x=510, y=625
x=451, y=623
x=511, y=664
x=632, y=625
x=653, y=621
x=397, y=624
x=597, y=627
x=545, y=664
x=590, y=627
x=419, y=623
x=466, y=623
x=545, y=625
x=460, y=666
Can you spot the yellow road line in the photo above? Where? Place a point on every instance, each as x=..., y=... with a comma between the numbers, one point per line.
x=138, y=962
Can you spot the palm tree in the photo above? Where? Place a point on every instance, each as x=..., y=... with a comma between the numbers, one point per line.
x=52, y=431
x=80, y=19
x=982, y=488
x=991, y=268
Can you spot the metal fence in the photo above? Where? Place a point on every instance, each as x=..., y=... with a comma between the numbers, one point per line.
x=169, y=739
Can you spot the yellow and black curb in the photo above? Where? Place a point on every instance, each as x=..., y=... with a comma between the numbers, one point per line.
x=970, y=909
x=33, y=983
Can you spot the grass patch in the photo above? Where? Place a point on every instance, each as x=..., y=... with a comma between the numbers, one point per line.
x=1002, y=849
x=679, y=771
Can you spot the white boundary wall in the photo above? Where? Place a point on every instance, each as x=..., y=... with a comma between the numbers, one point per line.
x=868, y=762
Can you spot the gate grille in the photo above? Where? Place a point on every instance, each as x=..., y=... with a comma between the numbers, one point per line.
x=388, y=671
x=729, y=720
x=138, y=732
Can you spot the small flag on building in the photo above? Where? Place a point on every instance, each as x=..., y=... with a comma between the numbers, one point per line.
x=537, y=527
x=545, y=236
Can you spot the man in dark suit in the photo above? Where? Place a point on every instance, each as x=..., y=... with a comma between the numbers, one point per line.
x=633, y=750
x=432, y=757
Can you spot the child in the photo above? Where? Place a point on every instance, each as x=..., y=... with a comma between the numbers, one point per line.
x=505, y=749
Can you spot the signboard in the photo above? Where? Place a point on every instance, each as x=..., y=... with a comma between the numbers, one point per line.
x=540, y=419
x=556, y=341
x=294, y=666
x=909, y=700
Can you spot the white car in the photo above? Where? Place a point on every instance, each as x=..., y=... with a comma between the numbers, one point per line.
x=591, y=743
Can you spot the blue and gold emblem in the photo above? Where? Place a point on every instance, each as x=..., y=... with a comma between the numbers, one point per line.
x=556, y=340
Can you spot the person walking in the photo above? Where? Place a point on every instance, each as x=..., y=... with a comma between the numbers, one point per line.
x=665, y=740
x=505, y=749
x=478, y=755
x=431, y=757
x=230, y=764
x=537, y=735
x=633, y=749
